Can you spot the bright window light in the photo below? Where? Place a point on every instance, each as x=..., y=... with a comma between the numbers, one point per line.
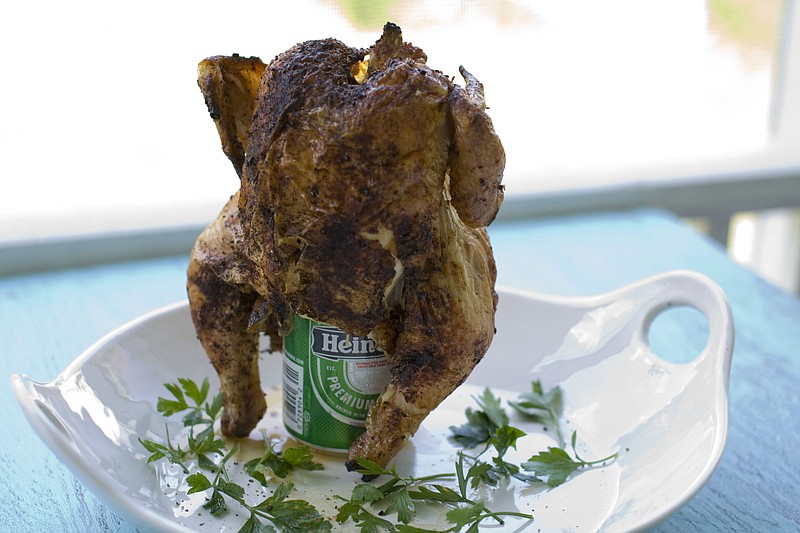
x=742, y=243
x=104, y=128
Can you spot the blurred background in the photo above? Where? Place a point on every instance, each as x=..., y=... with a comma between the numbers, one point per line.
x=685, y=105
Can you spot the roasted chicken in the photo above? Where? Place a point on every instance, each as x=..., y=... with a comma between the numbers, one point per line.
x=367, y=180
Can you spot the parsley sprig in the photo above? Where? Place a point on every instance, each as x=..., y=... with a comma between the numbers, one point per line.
x=281, y=464
x=291, y=516
x=544, y=407
x=401, y=494
x=556, y=465
x=486, y=431
x=487, y=435
x=489, y=427
x=482, y=423
x=199, y=416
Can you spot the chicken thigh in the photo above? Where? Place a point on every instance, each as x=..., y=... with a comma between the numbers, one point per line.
x=367, y=180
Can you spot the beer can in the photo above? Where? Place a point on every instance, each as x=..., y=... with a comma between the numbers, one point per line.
x=330, y=380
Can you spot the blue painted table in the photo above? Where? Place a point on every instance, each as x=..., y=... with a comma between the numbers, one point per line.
x=47, y=319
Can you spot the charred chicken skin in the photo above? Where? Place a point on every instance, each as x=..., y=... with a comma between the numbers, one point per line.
x=367, y=180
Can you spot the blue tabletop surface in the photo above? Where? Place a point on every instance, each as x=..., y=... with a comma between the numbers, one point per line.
x=47, y=319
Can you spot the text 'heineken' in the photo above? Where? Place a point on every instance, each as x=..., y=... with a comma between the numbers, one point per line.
x=330, y=380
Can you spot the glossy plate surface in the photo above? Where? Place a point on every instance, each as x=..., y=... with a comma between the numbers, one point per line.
x=667, y=420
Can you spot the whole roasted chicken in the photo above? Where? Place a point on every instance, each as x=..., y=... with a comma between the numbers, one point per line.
x=367, y=180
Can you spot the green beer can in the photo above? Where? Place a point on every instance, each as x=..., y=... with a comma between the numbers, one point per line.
x=330, y=380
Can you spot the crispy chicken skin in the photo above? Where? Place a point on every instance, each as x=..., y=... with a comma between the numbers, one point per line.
x=367, y=180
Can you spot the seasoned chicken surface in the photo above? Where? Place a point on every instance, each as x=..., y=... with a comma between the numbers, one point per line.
x=367, y=180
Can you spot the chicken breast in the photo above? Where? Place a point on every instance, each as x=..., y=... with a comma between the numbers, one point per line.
x=367, y=180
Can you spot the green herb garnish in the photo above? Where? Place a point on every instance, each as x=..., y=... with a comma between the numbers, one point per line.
x=542, y=407
x=485, y=437
x=481, y=424
x=202, y=445
x=401, y=495
x=281, y=464
x=200, y=415
x=556, y=465
x=488, y=427
x=295, y=516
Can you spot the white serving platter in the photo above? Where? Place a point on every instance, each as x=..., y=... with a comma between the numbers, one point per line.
x=667, y=421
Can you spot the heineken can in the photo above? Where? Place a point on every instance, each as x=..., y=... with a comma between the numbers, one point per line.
x=330, y=381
